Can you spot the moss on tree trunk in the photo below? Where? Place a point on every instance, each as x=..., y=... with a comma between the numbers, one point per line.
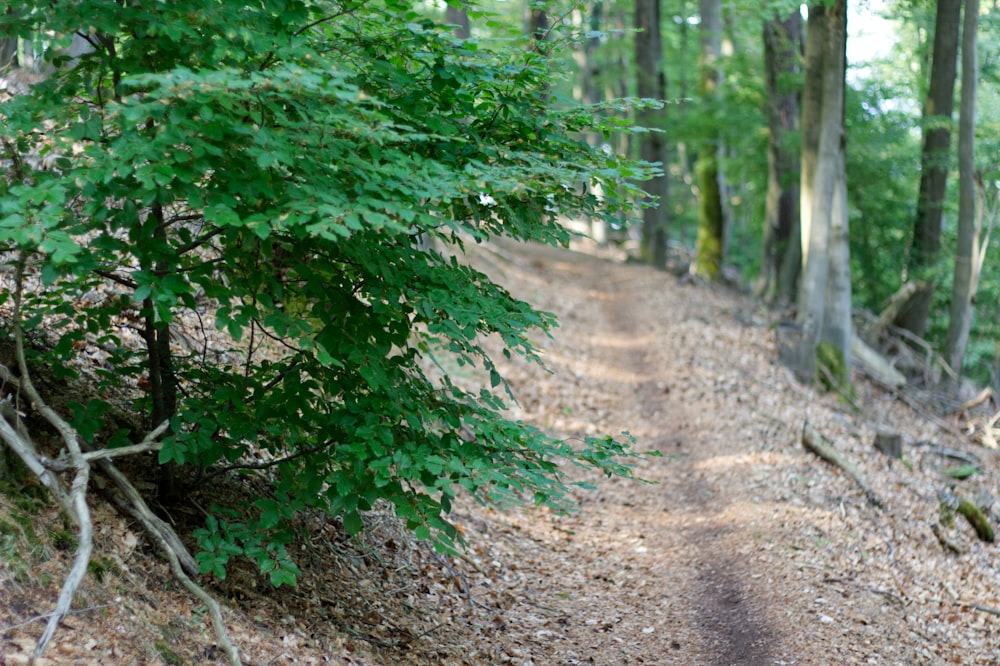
x=832, y=369
x=708, y=259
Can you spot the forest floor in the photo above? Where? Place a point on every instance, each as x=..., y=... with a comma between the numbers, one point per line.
x=741, y=548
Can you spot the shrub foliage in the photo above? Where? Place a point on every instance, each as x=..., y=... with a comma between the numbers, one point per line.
x=306, y=172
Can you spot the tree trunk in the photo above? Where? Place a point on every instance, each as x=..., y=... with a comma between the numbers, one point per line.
x=683, y=96
x=8, y=46
x=825, y=269
x=537, y=27
x=589, y=92
x=162, y=378
x=782, y=253
x=963, y=286
x=652, y=145
x=935, y=159
x=618, y=86
x=711, y=221
x=458, y=16
x=838, y=328
x=812, y=281
x=812, y=109
x=588, y=65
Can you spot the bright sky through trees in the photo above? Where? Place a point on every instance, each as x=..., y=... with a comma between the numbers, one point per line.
x=869, y=34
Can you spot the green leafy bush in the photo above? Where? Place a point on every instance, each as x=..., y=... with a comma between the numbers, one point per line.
x=289, y=167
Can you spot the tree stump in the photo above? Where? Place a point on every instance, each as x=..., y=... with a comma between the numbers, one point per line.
x=889, y=443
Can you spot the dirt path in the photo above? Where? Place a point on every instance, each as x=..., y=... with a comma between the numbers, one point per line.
x=650, y=574
x=746, y=550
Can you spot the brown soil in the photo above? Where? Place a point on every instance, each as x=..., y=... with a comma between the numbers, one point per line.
x=741, y=547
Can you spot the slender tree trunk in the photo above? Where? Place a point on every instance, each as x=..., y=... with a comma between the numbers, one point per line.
x=617, y=84
x=813, y=240
x=537, y=21
x=589, y=67
x=8, y=46
x=812, y=109
x=963, y=286
x=537, y=29
x=822, y=292
x=162, y=378
x=935, y=162
x=838, y=328
x=711, y=222
x=458, y=16
x=685, y=155
x=782, y=253
x=652, y=84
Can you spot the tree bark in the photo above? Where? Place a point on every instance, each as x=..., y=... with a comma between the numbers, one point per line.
x=838, y=329
x=537, y=23
x=782, y=253
x=711, y=221
x=8, y=44
x=935, y=159
x=652, y=84
x=616, y=81
x=824, y=296
x=458, y=16
x=813, y=236
x=812, y=108
x=963, y=286
x=588, y=92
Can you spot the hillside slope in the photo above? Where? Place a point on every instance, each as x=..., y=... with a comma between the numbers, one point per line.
x=744, y=548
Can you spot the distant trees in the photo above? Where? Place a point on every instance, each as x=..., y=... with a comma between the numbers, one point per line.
x=968, y=261
x=651, y=84
x=782, y=252
x=935, y=163
x=758, y=112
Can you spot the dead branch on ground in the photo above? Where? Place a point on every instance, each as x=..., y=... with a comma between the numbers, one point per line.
x=815, y=442
x=947, y=542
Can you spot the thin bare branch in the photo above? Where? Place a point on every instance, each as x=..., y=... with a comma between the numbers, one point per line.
x=77, y=499
x=148, y=443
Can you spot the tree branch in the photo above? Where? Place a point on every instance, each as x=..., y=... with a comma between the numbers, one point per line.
x=148, y=443
x=77, y=499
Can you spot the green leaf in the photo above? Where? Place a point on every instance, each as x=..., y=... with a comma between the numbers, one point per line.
x=352, y=522
x=281, y=577
x=961, y=471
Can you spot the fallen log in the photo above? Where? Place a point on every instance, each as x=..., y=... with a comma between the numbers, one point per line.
x=968, y=509
x=897, y=303
x=977, y=519
x=875, y=364
x=815, y=442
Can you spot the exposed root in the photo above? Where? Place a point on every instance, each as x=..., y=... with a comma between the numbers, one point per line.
x=74, y=500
